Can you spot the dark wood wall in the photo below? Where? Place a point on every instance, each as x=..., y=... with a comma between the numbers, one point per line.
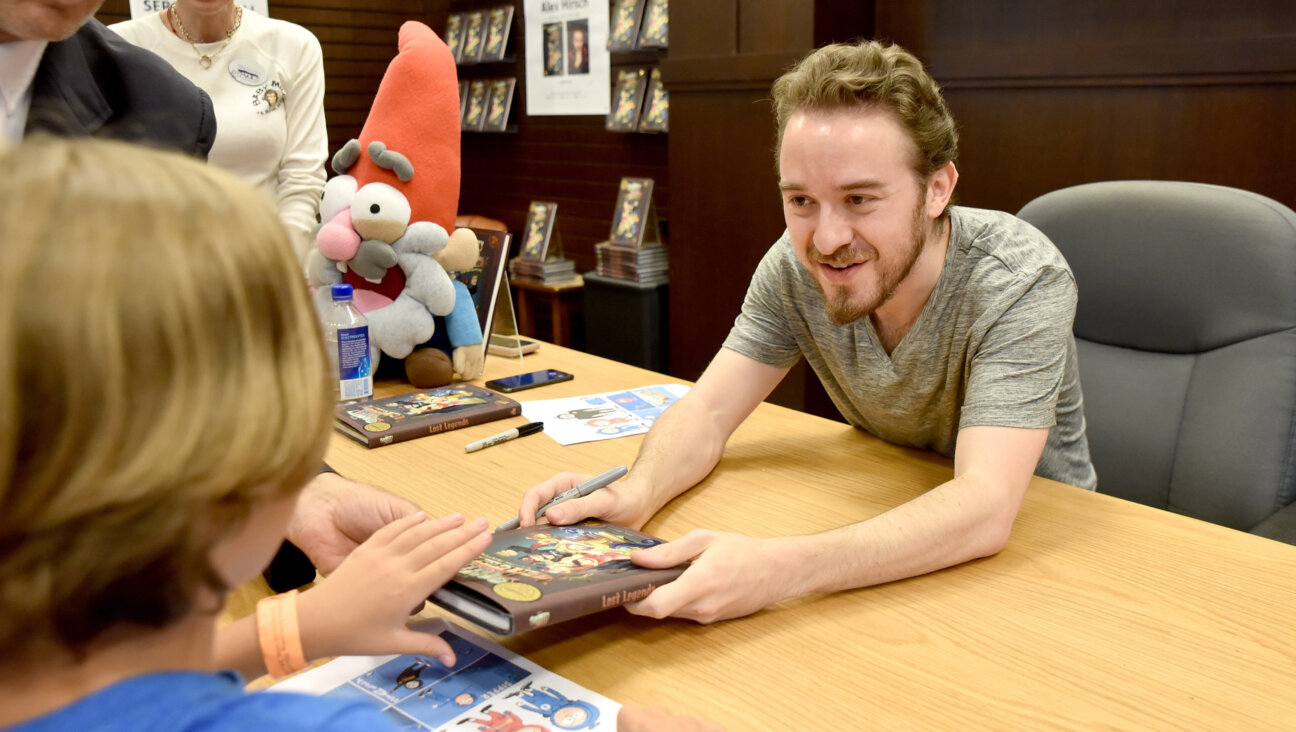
x=1049, y=95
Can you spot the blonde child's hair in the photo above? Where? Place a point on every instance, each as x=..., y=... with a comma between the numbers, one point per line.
x=161, y=374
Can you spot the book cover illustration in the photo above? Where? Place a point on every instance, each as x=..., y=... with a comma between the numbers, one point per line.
x=454, y=35
x=572, y=420
x=498, y=23
x=384, y=421
x=474, y=37
x=539, y=229
x=498, y=105
x=541, y=575
x=656, y=113
x=627, y=98
x=553, y=49
x=489, y=689
x=475, y=115
x=656, y=25
x=463, y=99
x=486, y=276
x=631, y=209
x=625, y=24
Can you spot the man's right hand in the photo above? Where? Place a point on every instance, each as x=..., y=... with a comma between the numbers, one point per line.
x=622, y=502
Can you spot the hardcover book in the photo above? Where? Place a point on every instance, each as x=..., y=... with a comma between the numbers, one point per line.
x=656, y=25
x=625, y=24
x=386, y=421
x=486, y=277
x=627, y=98
x=632, y=208
x=498, y=104
x=454, y=34
x=540, y=575
x=498, y=23
x=553, y=49
x=463, y=99
x=475, y=115
x=474, y=37
x=656, y=113
x=538, y=230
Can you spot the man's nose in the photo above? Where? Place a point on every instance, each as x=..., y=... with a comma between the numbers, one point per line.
x=832, y=230
x=337, y=239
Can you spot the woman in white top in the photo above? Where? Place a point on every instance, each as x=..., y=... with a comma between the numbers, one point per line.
x=266, y=80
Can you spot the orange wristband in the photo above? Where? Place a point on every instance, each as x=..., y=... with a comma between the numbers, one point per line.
x=280, y=635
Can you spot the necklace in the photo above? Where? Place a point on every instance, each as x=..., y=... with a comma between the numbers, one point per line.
x=205, y=59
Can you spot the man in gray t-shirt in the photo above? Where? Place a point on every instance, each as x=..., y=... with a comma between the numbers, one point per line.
x=931, y=325
x=992, y=345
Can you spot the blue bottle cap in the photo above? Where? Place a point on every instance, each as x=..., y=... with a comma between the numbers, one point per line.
x=341, y=292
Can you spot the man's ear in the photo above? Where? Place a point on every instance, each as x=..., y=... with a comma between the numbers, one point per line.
x=940, y=187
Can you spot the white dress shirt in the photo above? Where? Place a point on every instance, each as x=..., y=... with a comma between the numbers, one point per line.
x=18, y=63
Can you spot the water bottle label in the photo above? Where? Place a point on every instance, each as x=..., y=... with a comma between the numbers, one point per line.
x=355, y=375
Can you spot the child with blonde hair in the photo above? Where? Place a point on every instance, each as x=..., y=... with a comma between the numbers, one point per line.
x=163, y=399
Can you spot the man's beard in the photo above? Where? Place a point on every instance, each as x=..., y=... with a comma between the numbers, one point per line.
x=841, y=306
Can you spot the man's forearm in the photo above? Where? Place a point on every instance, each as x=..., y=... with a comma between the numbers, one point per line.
x=953, y=523
x=681, y=449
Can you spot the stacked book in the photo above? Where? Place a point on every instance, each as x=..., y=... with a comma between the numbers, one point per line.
x=646, y=265
x=549, y=272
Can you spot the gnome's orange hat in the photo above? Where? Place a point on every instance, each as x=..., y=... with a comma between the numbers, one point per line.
x=416, y=114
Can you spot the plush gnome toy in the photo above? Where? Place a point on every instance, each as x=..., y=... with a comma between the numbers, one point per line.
x=385, y=219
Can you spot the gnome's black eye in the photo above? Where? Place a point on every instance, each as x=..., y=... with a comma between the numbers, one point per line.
x=375, y=208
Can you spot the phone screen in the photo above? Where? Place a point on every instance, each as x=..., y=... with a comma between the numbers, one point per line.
x=528, y=381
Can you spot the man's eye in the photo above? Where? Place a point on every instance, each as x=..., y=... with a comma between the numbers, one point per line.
x=858, y=200
x=798, y=201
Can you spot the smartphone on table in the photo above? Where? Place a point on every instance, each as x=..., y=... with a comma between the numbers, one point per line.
x=518, y=382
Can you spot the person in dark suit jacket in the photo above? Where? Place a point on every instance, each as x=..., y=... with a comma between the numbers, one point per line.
x=97, y=84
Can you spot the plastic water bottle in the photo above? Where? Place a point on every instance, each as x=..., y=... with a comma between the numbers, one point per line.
x=346, y=335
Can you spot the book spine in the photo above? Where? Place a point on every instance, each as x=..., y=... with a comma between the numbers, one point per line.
x=410, y=431
x=577, y=602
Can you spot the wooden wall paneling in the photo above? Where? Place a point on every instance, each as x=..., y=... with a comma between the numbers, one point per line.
x=1051, y=95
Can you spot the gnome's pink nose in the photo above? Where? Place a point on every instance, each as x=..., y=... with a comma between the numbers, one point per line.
x=338, y=239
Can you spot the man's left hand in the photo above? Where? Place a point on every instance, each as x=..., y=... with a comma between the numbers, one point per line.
x=335, y=515
x=731, y=576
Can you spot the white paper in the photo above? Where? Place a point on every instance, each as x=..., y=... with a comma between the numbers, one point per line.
x=567, y=87
x=490, y=687
x=603, y=416
x=141, y=8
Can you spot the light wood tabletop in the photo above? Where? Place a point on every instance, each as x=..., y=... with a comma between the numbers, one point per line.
x=1099, y=613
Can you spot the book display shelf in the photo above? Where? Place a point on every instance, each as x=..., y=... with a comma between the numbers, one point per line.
x=572, y=163
x=485, y=46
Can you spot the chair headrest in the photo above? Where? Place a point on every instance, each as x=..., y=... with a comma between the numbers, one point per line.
x=1173, y=266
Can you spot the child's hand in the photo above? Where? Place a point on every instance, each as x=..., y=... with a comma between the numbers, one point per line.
x=362, y=608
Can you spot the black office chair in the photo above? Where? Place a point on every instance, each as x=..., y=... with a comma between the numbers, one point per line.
x=1186, y=330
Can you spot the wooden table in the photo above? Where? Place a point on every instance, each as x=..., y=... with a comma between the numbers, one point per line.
x=1099, y=613
x=558, y=297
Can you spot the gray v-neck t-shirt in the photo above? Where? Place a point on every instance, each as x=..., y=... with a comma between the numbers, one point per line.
x=992, y=346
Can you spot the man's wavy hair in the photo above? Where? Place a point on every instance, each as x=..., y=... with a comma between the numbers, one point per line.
x=870, y=74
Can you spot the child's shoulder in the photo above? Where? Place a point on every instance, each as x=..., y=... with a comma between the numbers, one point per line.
x=203, y=701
